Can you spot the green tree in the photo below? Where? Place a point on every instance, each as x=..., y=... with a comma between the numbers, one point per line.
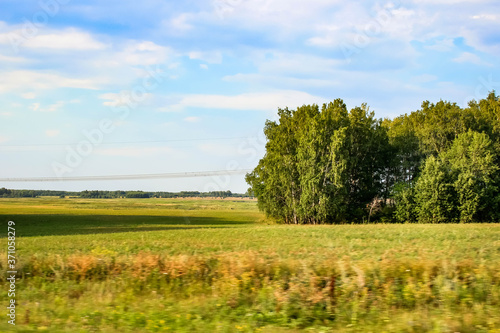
x=437, y=125
x=369, y=152
x=405, y=206
x=472, y=161
x=275, y=180
x=321, y=160
x=320, y=166
x=435, y=194
x=404, y=167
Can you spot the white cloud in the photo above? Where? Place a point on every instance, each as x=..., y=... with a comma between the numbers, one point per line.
x=284, y=82
x=51, y=107
x=54, y=107
x=52, y=133
x=192, y=119
x=450, y=2
x=358, y=25
x=203, y=66
x=35, y=106
x=142, y=53
x=19, y=80
x=443, y=45
x=123, y=98
x=3, y=139
x=77, y=59
x=69, y=39
x=487, y=17
x=264, y=101
x=293, y=65
x=28, y=95
x=4, y=58
x=214, y=57
x=279, y=18
x=179, y=24
x=468, y=57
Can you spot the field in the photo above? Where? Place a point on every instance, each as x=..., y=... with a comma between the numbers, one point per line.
x=178, y=265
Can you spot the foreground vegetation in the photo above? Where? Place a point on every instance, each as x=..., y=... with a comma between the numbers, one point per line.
x=156, y=265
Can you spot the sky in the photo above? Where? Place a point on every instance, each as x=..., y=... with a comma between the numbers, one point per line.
x=96, y=88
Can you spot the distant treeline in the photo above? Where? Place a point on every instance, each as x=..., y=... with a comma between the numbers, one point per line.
x=330, y=165
x=7, y=193
x=141, y=194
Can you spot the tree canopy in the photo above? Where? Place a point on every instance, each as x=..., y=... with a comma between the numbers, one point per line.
x=330, y=165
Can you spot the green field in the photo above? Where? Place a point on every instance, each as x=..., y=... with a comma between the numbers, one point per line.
x=178, y=265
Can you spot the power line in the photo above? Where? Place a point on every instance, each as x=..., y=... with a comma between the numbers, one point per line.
x=131, y=177
x=124, y=142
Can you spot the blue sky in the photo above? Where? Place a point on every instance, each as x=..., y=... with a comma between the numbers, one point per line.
x=115, y=88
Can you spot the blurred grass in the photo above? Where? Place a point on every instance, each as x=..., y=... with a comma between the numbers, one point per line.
x=134, y=265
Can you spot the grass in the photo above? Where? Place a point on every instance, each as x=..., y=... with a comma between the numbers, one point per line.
x=148, y=265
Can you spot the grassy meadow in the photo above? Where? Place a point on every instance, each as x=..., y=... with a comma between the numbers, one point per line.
x=207, y=265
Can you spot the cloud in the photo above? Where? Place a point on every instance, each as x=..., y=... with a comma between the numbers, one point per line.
x=142, y=53
x=52, y=133
x=4, y=58
x=296, y=64
x=284, y=82
x=214, y=57
x=450, y=2
x=443, y=45
x=203, y=66
x=192, y=119
x=73, y=58
x=28, y=95
x=263, y=101
x=35, y=106
x=124, y=98
x=20, y=80
x=52, y=107
x=487, y=17
x=69, y=39
x=3, y=139
x=468, y=57
x=179, y=24
x=278, y=18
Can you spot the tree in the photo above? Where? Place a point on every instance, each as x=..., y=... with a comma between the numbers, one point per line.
x=405, y=206
x=461, y=183
x=437, y=164
x=434, y=193
x=369, y=152
x=320, y=166
x=406, y=154
x=275, y=180
x=475, y=173
x=437, y=125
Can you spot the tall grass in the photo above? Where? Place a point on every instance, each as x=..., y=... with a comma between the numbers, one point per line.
x=224, y=274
